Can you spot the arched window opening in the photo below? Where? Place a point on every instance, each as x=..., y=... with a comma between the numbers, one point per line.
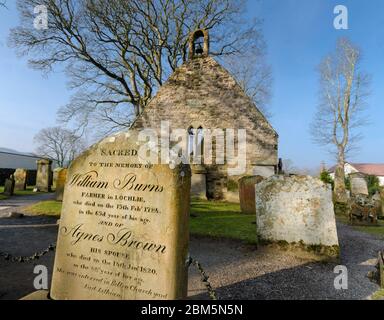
x=198, y=44
x=195, y=144
x=198, y=153
x=191, y=140
x=200, y=136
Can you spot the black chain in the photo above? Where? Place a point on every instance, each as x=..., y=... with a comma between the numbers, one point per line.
x=35, y=256
x=204, y=277
x=52, y=247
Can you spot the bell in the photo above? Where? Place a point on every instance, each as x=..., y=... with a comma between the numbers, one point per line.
x=199, y=49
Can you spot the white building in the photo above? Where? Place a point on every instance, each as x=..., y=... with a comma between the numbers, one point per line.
x=372, y=169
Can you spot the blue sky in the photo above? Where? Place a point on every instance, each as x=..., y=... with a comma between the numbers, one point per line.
x=299, y=33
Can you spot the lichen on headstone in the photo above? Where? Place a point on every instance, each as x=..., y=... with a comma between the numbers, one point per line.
x=297, y=210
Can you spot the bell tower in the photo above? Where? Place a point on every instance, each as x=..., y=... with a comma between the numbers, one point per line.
x=199, y=44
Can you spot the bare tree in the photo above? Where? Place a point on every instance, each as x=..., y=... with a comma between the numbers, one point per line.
x=343, y=93
x=254, y=76
x=117, y=53
x=288, y=166
x=58, y=144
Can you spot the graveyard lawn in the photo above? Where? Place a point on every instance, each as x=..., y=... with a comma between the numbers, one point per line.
x=379, y=295
x=374, y=230
x=27, y=192
x=222, y=220
x=44, y=208
x=208, y=218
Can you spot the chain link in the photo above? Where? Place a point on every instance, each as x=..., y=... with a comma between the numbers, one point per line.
x=204, y=277
x=52, y=247
x=35, y=256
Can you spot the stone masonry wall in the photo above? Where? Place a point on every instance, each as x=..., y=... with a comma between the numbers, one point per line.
x=201, y=93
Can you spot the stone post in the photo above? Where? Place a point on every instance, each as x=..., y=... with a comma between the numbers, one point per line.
x=44, y=175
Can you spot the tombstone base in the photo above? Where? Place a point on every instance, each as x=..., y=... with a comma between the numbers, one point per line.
x=37, y=295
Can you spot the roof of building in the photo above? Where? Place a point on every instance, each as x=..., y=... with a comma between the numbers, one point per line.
x=15, y=152
x=374, y=169
x=13, y=159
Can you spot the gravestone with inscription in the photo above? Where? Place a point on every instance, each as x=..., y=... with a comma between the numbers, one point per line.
x=123, y=232
x=20, y=179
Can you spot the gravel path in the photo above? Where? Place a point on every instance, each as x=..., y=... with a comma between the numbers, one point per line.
x=11, y=204
x=239, y=272
x=236, y=271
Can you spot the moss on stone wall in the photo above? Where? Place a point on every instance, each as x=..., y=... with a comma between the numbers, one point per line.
x=341, y=209
x=322, y=252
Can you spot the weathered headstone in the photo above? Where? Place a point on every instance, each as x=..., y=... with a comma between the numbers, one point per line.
x=54, y=177
x=9, y=186
x=44, y=175
x=123, y=232
x=20, y=176
x=358, y=184
x=61, y=178
x=247, y=193
x=363, y=210
x=199, y=183
x=297, y=209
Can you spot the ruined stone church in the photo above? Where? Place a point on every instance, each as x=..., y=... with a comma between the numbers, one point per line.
x=201, y=94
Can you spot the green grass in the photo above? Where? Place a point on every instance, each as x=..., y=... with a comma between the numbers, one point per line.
x=212, y=219
x=375, y=230
x=27, y=192
x=378, y=295
x=208, y=218
x=47, y=208
x=232, y=185
x=222, y=220
x=3, y=197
